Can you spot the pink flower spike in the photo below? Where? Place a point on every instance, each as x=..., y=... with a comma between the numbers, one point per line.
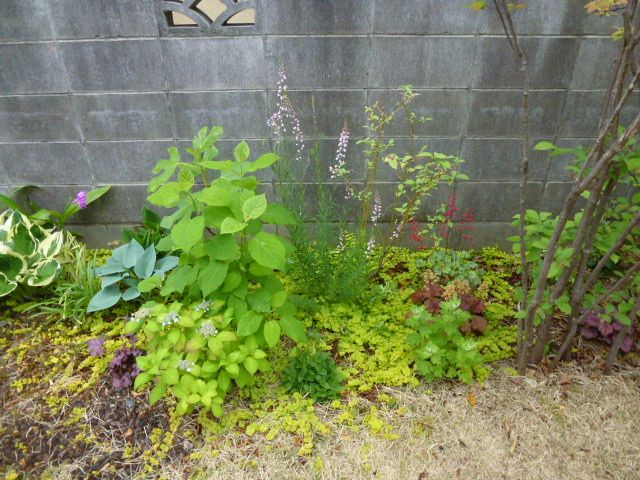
x=81, y=199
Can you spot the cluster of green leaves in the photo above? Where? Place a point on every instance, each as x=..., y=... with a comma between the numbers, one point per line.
x=27, y=253
x=195, y=353
x=453, y=265
x=20, y=201
x=440, y=348
x=313, y=374
x=138, y=270
x=149, y=233
x=227, y=261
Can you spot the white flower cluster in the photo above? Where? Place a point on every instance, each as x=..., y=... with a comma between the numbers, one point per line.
x=203, y=306
x=208, y=329
x=338, y=169
x=185, y=365
x=169, y=318
x=285, y=114
x=376, y=212
x=140, y=314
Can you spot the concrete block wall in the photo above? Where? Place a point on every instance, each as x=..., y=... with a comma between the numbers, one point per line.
x=93, y=92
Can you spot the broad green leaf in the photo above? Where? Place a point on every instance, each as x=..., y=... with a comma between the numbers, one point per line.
x=251, y=365
x=278, y=215
x=293, y=328
x=165, y=168
x=165, y=264
x=249, y=323
x=12, y=264
x=212, y=276
x=187, y=232
x=271, y=332
x=222, y=247
x=542, y=146
x=231, y=225
x=166, y=196
x=157, y=393
x=267, y=250
x=215, y=196
x=170, y=376
x=186, y=179
x=254, y=207
x=241, y=152
x=263, y=161
x=150, y=283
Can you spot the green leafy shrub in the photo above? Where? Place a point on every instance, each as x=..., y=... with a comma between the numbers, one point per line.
x=27, y=253
x=195, y=353
x=137, y=269
x=440, y=348
x=227, y=266
x=315, y=375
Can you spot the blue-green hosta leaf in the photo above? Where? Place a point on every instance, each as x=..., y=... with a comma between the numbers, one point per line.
x=105, y=298
x=112, y=279
x=131, y=254
x=112, y=266
x=130, y=293
x=163, y=265
x=267, y=250
x=145, y=265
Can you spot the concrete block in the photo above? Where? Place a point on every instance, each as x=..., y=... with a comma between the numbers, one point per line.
x=44, y=163
x=124, y=162
x=558, y=165
x=37, y=118
x=500, y=159
x=424, y=17
x=318, y=62
x=550, y=62
x=214, y=63
x=25, y=20
x=241, y=114
x=124, y=117
x=421, y=61
x=601, y=25
x=332, y=108
x=542, y=17
x=448, y=110
x=100, y=236
x=122, y=204
x=31, y=68
x=496, y=202
x=104, y=18
x=310, y=16
x=553, y=197
x=499, y=113
x=113, y=65
x=582, y=110
x=595, y=63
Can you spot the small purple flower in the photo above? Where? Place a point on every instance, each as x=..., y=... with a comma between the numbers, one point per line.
x=96, y=346
x=81, y=199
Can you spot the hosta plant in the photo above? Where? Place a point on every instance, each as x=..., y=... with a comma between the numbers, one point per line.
x=441, y=350
x=195, y=353
x=130, y=272
x=27, y=253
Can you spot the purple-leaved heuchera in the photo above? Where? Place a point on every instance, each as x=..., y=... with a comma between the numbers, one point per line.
x=123, y=368
x=594, y=327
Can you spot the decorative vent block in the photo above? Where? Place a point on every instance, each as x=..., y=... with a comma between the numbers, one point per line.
x=194, y=18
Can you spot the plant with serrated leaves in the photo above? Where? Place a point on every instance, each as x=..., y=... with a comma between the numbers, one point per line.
x=27, y=253
x=313, y=374
x=441, y=350
x=226, y=255
x=451, y=265
x=130, y=272
x=195, y=353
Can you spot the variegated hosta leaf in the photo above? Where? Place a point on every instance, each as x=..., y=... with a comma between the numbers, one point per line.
x=6, y=286
x=51, y=245
x=12, y=265
x=44, y=273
